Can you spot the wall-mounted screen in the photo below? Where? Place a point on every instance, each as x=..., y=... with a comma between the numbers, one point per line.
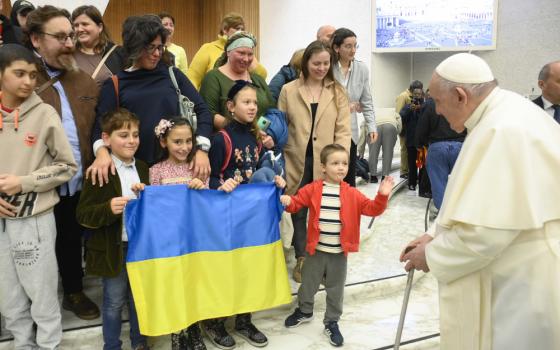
x=434, y=25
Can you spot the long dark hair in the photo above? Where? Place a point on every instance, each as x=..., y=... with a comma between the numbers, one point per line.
x=163, y=153
x=338, y=38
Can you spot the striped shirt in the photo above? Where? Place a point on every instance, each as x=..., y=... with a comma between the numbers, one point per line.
x=329, y=220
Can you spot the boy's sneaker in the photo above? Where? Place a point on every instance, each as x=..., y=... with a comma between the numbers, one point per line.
x=251, y=334
x=332, y=331
x=216, y=331
x=194, y=338
x=178, y=341
x=297, y=318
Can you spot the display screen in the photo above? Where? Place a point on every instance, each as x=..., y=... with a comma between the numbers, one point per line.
x=434, y=25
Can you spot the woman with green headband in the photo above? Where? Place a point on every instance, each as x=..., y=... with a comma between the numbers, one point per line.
x=234, y=65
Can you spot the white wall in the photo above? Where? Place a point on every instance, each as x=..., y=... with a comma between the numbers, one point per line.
x=288, y=25
x=70, y=5
x=528, y=37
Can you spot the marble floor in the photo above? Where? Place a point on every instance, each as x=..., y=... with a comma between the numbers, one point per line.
x=373, y=295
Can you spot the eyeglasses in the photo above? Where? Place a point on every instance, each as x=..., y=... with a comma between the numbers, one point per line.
x=62, y=37
x=152, y=48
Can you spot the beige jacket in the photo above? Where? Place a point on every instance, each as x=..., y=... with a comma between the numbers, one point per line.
x=332, y=125
x=38, y=152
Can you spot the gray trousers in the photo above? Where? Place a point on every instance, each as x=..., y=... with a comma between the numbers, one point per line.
x=29, y=282
x=387, y=137
x=315, y=267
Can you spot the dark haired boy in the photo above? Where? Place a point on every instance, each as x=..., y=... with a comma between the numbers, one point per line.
x=36, y=157
x=101, y=209
x=333, y=231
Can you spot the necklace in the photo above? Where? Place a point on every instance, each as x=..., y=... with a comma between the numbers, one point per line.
x=314, y=97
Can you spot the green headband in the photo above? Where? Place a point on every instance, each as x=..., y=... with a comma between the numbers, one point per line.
x=243, y=41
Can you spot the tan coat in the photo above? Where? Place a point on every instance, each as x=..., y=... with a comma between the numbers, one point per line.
x=332, y=125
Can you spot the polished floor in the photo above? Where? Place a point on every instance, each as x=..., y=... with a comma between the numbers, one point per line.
x=373, y=296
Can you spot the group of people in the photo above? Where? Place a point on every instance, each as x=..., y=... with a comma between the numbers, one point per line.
x=113, y=124
x=90, y=123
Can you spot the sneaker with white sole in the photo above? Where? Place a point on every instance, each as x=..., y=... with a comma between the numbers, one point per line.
x=297, y=318
x=333, y=333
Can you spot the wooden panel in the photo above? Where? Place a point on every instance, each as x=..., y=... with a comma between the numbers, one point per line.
x=196, y=21
x=214, y=10
x=187, y=16
x=6, y=8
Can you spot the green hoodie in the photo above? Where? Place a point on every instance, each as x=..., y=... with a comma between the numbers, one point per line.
x=38, y=152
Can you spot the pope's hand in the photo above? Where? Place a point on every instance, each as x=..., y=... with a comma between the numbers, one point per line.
x=415, y=254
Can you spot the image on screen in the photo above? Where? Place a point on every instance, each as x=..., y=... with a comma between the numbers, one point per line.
x=434, y=25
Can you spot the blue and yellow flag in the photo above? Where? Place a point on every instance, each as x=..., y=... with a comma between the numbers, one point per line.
x=195, y=255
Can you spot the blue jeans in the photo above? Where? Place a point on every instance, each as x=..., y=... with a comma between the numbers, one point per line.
x=117, y=293
x=439, y=163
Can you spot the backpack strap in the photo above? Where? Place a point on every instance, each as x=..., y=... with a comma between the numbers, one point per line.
x=229, y=149
x=116, y=85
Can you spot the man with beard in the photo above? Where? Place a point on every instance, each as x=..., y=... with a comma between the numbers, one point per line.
x=74, y=95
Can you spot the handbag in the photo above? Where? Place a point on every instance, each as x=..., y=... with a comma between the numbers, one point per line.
x=186, y=106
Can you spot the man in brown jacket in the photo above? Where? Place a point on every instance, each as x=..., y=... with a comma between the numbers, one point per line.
x=74, y=95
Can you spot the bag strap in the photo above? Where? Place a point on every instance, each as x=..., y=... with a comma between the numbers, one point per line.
x=98, y=68
x=174, y=80
x=115, y=80
x=47, y=84
x=229, y=149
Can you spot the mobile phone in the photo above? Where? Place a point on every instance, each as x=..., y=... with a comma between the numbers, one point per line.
x=263, y=123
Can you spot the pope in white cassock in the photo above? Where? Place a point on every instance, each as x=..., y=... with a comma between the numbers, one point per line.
x=495, y=246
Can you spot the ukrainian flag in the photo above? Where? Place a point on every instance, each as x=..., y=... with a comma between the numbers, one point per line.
x=195, y=255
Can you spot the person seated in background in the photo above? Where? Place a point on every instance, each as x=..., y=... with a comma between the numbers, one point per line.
x=389, y=125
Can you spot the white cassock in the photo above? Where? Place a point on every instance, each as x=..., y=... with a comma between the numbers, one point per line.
x=496, y=250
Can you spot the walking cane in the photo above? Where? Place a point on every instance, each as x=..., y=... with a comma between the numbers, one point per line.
x=404, y=304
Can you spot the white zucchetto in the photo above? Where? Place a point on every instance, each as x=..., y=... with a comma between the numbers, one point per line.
x=465, y=68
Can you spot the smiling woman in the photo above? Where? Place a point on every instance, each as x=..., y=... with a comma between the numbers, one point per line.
x=317, y=109
x=146, y=89
x=233, y=65
x=95, y=53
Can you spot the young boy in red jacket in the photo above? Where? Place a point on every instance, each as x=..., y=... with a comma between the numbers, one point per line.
x=333, y=231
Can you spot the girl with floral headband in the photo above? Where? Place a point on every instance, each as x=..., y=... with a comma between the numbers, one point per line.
x=175, y=144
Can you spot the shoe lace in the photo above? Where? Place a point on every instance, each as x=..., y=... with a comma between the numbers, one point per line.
x=220, y=330
x=333, y=328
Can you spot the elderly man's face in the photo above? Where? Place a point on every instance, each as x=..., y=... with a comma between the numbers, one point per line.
x=56, y=43
x=448, y=104
x=551, y=86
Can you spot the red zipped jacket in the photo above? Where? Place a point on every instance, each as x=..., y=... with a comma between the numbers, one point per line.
x=353, y=204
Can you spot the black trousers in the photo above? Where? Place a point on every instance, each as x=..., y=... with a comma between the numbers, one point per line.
x=412, y=170
x=69, y=244
x=351, y=176
x=299, y=219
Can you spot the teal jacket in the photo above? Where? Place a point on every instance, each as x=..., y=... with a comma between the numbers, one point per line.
x=104, y=256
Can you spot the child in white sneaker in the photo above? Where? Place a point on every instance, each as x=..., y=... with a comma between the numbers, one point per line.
x=333, y=231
